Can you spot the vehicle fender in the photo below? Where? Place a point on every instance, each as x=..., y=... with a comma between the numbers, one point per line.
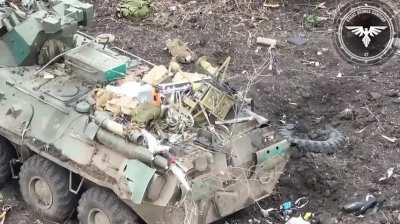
x=15, y=116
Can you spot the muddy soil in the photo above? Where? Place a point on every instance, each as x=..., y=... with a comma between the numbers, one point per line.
x=296, y=90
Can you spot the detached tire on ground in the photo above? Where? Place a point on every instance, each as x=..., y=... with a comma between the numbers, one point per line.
x=6, y=154
x=334, y=139
x=101, y=206
x=45, y=187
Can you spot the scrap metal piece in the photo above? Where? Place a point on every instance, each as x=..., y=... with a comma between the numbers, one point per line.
x=260, y=119
x=201, y=188
x=105, y=38
x=217, y=102
x=225, y=202
x=138, y=176
x=90, y=130
x=153, y=145
x=267, y=41
x=276, y=150
x=181, y=176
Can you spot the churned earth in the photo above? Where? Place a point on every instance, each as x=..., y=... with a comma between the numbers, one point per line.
x=308, y=84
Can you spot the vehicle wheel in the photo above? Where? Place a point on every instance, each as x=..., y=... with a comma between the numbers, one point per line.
x=101, y=206
x=6, y=154
x=45, y=186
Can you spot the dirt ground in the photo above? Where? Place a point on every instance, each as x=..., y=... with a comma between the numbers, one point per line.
x=297, y=89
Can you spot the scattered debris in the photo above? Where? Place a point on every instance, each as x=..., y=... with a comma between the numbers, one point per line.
x=321, y=5
x=308, y=216
x=286, y=210
x=3, y=213
x=389, y=174
x=374, y=116
x=297, y=40
x=361, y=130
x=153, y=144
x=105, y=38
x=313, y=63
x=157, y=74
x=392, y=140
x=254, y=221
x=359, y=207
x=48, y=76
x=347, y=114
x=179, y=51
x=267, y=41
x=324, y=49
x=203, y=66
x=269, y=5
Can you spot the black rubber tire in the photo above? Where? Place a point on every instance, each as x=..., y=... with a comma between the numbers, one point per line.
x=7, y=152
x=330, y=145
x=106, y=201
x=57, y=179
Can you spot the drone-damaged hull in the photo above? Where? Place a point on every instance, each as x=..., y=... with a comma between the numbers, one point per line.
x=178, y=151
x=222, y=183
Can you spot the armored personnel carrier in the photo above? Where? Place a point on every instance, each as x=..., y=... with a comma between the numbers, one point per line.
x=88, y=126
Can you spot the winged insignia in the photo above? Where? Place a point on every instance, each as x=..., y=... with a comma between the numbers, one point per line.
x=366, y=33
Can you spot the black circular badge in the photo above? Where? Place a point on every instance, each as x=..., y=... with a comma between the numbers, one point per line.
x=365, y=32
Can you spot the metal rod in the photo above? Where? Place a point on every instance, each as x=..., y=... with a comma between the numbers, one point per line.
x=132, y=55
x=119, y=49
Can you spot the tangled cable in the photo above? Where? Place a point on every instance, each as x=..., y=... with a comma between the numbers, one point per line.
x=178, y=118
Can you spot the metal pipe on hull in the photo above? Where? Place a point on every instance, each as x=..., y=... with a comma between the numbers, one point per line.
x=131, y=151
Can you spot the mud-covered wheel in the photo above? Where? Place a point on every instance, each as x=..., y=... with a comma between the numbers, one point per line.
x=45, y=187
x=7, y=153
x=101, y=206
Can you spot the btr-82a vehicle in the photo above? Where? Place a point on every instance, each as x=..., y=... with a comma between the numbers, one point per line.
x=88, y=126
